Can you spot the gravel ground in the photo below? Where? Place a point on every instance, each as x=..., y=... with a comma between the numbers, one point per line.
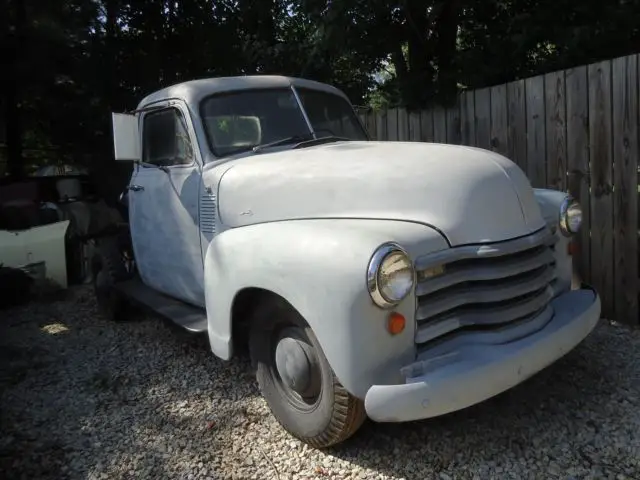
x=84, y=398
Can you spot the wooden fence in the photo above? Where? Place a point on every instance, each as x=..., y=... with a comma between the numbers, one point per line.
x=575, y=130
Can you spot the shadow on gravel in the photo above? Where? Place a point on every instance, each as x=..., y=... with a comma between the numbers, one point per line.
x=84, y=398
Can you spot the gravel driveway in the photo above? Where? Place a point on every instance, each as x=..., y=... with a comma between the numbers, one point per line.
x=84, y=398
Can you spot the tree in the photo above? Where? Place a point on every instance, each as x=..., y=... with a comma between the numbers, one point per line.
x=69, y=63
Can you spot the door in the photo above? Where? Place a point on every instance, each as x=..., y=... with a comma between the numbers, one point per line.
x=163, y=206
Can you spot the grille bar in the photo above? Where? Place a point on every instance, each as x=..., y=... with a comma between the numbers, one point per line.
x=487, y=316
x=483, y=292
x=452, y=341
x=499, y=267
x=486, y=286
x=541, y=237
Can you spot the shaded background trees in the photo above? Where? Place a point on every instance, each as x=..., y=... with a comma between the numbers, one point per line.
x=67, y=63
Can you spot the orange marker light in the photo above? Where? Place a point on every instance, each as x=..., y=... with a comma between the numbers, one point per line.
x=396, y=323
x=572, y=248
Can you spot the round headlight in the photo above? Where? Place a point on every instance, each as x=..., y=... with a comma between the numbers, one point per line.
x=390, y=276
x=570, y=216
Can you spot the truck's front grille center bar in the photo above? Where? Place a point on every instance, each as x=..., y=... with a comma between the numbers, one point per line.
x=486, y=286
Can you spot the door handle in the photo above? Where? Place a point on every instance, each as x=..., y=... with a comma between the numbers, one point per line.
x=135, y=188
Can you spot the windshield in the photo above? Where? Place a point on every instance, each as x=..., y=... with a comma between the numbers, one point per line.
x=330, y=114
x=239, y=121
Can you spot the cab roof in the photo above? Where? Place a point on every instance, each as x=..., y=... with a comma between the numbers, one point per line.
x=194, y=91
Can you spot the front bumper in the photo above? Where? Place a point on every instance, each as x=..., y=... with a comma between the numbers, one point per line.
x=474, y=372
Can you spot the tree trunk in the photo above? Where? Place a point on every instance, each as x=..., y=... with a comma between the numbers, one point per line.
x=446, y=47
x=110, y=49
x=12, y=91
x=15, y=163
x=420, y=82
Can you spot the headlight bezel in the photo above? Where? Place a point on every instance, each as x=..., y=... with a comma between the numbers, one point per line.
x=567, y=205
x=373, y=274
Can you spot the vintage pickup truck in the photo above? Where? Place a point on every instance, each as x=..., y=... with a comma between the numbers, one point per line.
x=391, y=280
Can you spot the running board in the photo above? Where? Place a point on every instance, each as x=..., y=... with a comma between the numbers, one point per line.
x=192, y=319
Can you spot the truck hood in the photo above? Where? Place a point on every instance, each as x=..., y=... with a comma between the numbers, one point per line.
x=470, y=195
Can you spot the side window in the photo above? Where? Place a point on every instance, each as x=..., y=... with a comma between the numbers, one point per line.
x=166, y=138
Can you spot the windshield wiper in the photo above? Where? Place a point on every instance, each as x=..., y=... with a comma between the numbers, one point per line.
x=317, y=141
x=283, y=141
x=306, y=140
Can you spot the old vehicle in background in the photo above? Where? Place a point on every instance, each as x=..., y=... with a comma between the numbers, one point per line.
x=394, y=280
x=47, y=222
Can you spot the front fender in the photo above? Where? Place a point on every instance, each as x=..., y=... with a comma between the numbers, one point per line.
x=319, y=267
x=549, y=202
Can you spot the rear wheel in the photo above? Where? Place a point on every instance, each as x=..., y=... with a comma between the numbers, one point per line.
x=109, y=268
x=297, y=381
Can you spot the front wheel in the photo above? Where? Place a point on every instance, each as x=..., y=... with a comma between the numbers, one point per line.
x=297, y=381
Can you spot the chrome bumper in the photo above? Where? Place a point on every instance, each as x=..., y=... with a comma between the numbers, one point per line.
x=475, y=371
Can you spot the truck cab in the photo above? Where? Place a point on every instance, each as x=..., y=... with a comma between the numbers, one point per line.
x=394, y=280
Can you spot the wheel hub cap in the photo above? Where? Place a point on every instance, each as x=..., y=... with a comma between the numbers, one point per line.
x=297, y=366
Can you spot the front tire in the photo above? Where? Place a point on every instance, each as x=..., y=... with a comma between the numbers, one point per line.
x=297, y=381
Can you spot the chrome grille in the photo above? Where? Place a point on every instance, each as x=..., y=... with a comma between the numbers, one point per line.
x=485, y=286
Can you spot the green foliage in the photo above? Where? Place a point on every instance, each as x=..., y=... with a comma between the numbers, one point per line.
x=69, y=63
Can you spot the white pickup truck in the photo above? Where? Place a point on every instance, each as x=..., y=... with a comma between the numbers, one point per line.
x=394, y=280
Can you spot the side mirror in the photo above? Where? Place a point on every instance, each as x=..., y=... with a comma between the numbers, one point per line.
x=126, y=137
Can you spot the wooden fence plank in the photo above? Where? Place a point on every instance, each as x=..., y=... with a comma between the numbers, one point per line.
x=439, y=125
x=381, y=125
x=362, y=116
x=499, y=122
x=370, y=124
x=426, y=125
x=625, y=194
x=577, y=130
x=467, y=118
x=536, y=145
x=556, y=130
x=403, y=125
x=578, y=161
x=392, y=124
x=482, y=114
x=414, y=126
x=600, y=144
x=454, y=136
x=517, y=124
